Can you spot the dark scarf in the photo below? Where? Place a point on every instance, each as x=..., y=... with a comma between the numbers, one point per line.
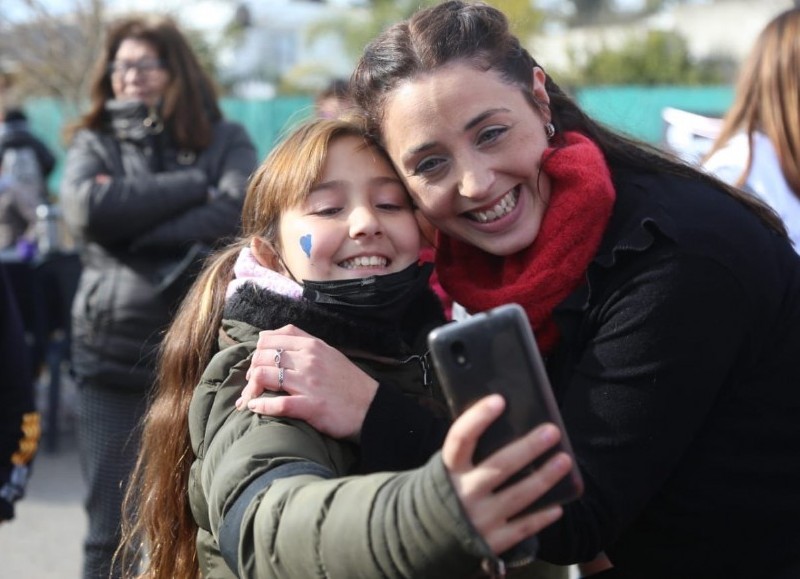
x=132, y=120
x=542, y=275
x=267, y=310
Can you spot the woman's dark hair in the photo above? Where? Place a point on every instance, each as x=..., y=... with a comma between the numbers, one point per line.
x=478, y=34
x=189, y=107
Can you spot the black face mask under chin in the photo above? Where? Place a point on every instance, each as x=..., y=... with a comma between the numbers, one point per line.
x=382, y=298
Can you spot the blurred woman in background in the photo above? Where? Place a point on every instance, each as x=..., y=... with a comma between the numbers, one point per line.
x=153, y=177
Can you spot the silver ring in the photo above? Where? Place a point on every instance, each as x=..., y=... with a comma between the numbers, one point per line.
x=278, y=353
x=280, y=378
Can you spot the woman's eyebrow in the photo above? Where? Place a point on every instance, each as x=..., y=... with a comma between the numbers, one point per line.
x=419, y=149
x=483, y=116
x=470, y=124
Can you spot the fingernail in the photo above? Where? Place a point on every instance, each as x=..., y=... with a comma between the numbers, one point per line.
x=238, y=404
x=553, y=512
x=558, y=462
x=495, y=401
x=251, y=405
x=548, y=433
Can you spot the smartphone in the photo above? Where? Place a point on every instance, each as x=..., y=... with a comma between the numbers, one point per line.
x=495, y=352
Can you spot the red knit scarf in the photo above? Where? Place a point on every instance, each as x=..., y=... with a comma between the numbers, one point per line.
x=542, y=275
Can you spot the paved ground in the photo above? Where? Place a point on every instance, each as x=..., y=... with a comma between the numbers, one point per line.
x=44, y=540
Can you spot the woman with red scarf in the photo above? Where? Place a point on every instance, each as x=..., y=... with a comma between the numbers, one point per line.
x=667, y=304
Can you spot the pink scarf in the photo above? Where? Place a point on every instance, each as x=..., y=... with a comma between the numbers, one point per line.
x=247, y=269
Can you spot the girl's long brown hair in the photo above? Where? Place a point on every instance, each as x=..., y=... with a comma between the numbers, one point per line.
x=159, y=531
x=768, y=97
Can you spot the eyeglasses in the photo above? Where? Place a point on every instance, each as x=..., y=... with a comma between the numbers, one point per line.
x=145, y=66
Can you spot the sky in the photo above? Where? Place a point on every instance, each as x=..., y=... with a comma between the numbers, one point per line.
x=15, y=9
x=199, y=14
x=203, y=13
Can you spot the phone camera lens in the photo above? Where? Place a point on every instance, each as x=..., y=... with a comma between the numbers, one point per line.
x=459, y=352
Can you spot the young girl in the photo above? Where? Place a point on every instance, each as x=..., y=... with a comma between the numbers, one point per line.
x=330, y=245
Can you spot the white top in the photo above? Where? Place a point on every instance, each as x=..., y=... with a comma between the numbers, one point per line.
x=765, y=179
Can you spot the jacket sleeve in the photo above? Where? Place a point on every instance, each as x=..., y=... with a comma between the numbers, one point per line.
x=662, y=346
x=279, y=504
x=233, y=161
x=117, y=208
x=398, y=432
x=19, y=421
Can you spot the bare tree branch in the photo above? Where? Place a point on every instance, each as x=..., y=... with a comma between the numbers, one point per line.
x=45, y=53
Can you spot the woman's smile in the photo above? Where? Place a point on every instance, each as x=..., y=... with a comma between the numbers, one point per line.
x=506, y=205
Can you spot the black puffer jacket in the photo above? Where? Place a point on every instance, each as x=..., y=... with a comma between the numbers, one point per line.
x=137, y=205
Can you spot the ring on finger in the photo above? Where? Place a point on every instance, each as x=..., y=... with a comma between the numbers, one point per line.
x=278, y=353
x=280, y=378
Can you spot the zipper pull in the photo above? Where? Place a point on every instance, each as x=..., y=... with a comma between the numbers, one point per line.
x=424, y=361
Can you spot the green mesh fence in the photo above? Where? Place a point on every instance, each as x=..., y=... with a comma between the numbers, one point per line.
x=634, y=110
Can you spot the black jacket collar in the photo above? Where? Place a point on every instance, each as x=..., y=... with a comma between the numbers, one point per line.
x=267, y=310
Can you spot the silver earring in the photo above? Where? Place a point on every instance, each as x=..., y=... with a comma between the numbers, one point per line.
x=549, y=130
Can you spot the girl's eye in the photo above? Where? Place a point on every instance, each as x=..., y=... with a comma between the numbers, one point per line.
x=491, y=134
x=327, y=211
x=428, y=165
x=392, y=207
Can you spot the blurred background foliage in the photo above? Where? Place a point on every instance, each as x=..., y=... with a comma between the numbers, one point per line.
x=49, y=52
x=657, y=58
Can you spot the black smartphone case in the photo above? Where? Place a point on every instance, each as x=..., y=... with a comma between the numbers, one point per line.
x=495, y=352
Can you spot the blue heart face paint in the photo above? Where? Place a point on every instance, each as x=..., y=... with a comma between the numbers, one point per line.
x=305, y=244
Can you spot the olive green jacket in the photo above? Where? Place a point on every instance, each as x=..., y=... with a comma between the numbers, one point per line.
x=275, y=498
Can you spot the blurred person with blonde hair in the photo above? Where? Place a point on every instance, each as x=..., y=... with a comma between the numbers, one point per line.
x=154, y=177
x=758, y=148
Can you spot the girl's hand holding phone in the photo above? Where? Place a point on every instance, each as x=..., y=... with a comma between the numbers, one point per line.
x=498, y=514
